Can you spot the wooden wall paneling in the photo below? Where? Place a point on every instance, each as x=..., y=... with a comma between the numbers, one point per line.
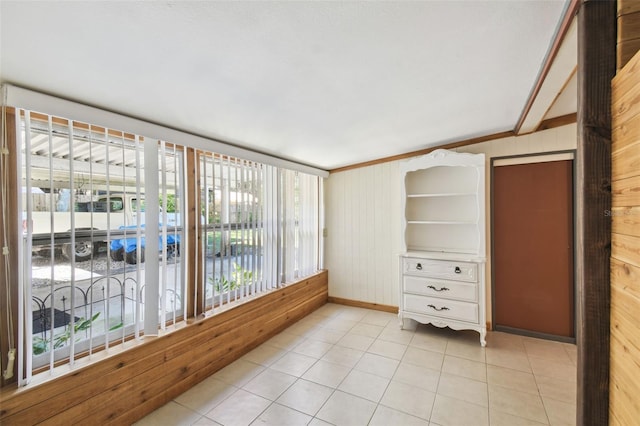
x=626, y=192
x=138, y=411
x=396, y=220
x=628, y=6
x=626, y=50
x=352, y=233
x=626, y=277
x=377, y=249
x=344, y=263
x=628, y=37
x=360, y=248
x=596, y=68
x=625, y=243
x=343, y=212
x=622, y=412
x=108, y=387
x=335, y=242
x=625, y=134
x=626, y=220
x=200, y=362
x=627, y=161
x=363, y=227
x=386, y=228
x=370, y=235
x=628, y=26
x=626, y=248
x=363, y=237
x=167, y=355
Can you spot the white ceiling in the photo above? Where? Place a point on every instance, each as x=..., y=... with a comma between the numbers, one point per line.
x=323, y=83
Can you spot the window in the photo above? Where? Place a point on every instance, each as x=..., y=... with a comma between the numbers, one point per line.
x=247, y=208
x=85, y=267
x=106, y=216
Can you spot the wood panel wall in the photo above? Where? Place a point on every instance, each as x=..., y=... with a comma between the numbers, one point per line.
x=363, y=220
x=628, y=31
x=624, y=408
x=125, y=387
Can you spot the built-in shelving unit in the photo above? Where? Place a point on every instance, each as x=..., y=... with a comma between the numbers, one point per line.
x=442, y=267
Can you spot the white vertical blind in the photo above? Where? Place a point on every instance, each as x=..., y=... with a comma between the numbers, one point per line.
x=259, y=225
x=151, y=213
x=25, y=291
x=72, y=172
x=289, y=225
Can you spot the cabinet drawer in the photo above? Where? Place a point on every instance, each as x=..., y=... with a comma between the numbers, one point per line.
x=449, y=270
x=444, y=289
x=441, y=308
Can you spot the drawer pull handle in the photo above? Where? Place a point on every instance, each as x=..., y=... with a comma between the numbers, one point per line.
x=457, y=270
x=444, y=308
x=419, y=267
x=438, y=289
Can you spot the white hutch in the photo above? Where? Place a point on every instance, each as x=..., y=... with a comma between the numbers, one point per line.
x=442, y=270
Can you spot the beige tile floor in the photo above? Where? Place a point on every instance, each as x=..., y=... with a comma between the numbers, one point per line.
x=350, y=366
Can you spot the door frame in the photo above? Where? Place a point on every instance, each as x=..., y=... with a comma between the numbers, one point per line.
x=532, y=158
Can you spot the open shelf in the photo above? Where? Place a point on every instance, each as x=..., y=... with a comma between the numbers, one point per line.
x=443, y=217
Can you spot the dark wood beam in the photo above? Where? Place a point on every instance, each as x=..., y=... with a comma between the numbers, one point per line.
x=596, y=68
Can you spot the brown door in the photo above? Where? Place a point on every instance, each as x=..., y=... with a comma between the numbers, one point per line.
x=533, y=247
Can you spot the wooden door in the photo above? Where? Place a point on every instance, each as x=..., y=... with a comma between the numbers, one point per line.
x=533, y=284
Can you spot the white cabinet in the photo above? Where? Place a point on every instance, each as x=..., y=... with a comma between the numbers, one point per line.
x=442, y=268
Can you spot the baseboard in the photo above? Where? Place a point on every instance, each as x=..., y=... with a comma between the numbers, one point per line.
x=366, y=305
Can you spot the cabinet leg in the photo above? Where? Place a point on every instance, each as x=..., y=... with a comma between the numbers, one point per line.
x=483, y=338
x=401, y=321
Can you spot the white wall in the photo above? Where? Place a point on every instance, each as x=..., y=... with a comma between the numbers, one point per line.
x=363, y=219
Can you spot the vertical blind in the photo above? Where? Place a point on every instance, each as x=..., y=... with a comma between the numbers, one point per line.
x=260, y=228
x=93, y=223
x=104, y=244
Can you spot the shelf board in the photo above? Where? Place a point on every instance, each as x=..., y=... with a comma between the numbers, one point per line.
x=441, y=222
x=445, y=254
x=442, y=194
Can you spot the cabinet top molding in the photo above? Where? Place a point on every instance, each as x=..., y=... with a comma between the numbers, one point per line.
x=443, y=157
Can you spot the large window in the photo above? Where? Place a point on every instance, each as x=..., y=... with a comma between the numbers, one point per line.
x=260, y=228
x=110, y=221
x=85, y=251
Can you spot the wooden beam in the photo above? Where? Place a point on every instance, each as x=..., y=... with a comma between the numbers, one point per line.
x=596, y=69
x=548, y=61
x=192, y=248
x=563, y=120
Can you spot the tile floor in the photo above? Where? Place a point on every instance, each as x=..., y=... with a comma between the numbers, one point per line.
x=350, y=366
